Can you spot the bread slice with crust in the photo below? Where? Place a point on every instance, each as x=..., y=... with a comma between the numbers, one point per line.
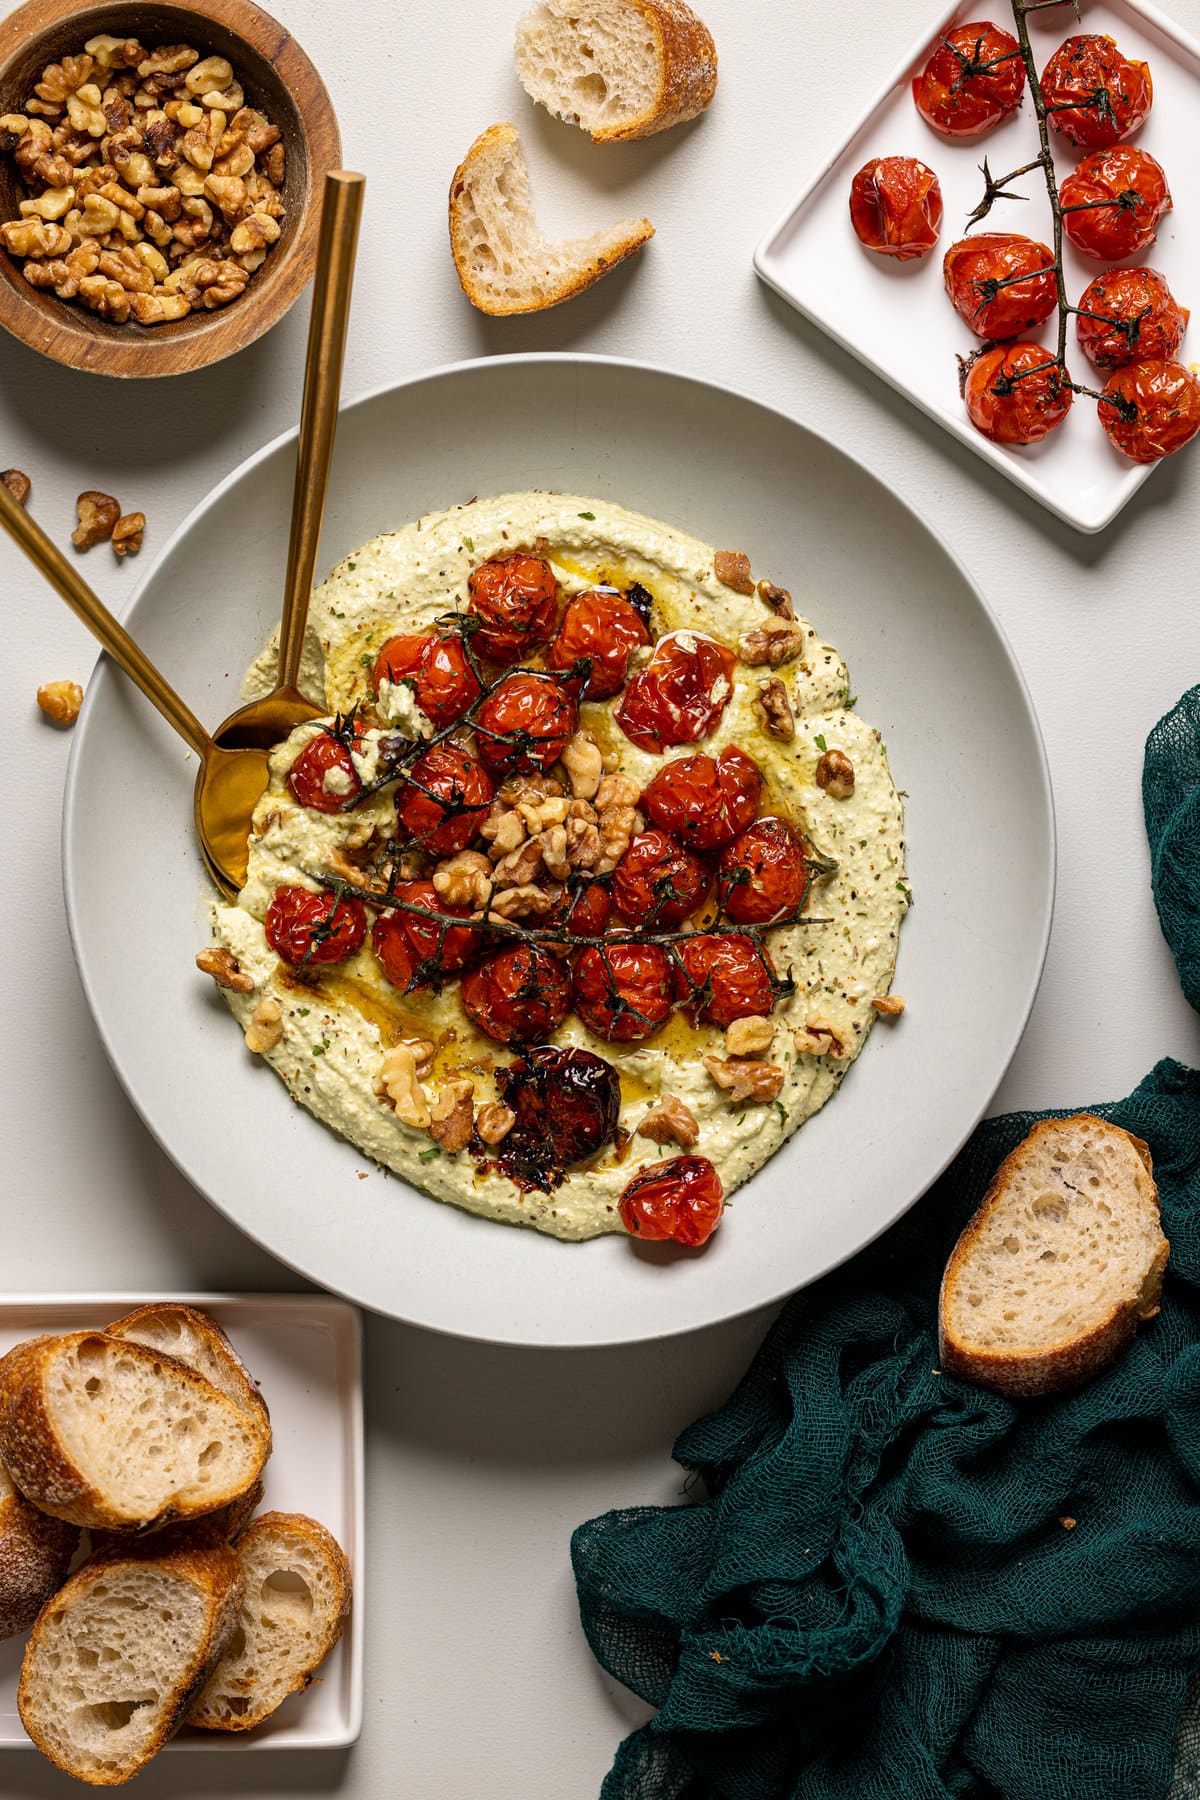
x=109, y=1434
x=296, y=1604
x=504, y=263
x=617, y=68
x=194, y=1338
x=1063, y=1258
x=118, y=1655
x=35, y=1554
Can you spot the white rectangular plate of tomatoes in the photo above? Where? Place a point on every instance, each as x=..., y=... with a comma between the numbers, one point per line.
x=896, y=316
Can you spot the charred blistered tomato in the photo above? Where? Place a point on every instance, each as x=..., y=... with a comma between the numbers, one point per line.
x=436, y=667
x=414, y=952
x=323, y=776
x=704, y=801
x=1094, y=95
x=515, y=599
x=896, y=207
x=1016, y=393
x=517, y=994
x=1129, y=315
x=622, y=992
x=763, y=874
x=974, y=78
x=725, y=976
x=605, y=628
x=658, y=883
x=680, y=1201
x=525, y=724
x=1151, y=409
x=444, y=799
x=1001, y=284
x=567, y=1103
x=304, y=928
x=583, y=910
x=1114, y=202
x=678, y=698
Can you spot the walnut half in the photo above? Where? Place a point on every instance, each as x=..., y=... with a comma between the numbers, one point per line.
x=670, y=1122
x=835, y=774
x=774, y=642
x=774, y=710
x=888, y=1006
x=60, y=701
x=128, y=532
x=18, y=485
x=452, y=1116
x=98, y=514
x=225, y=969
x=746, y=1080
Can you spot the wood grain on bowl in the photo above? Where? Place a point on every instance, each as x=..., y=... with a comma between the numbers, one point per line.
x=277, y=77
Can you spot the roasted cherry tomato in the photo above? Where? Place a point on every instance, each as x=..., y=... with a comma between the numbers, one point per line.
x=1129, y=315
x=678, y=698
x=704, y=801
x=1013, y=407
x=323, y=776
x=307, y=929
x=408, y=947
x=1094, y=95
x=896, y=207
x=515, y=598
x=583, y=910
x=1113, y=202
x=623, y=992
x=444, y=799
x=658, y=883
x=763, y=873
x=518, y=994
x=567, y=1104
x=524, y=724
x=605, y=628
x=443, y=680
x=1151, y=409
x=1001, y=284
x=974, y=78
x=681, y=1200
x=728, y=976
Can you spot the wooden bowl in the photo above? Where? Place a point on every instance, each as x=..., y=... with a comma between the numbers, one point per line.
x=276, y=76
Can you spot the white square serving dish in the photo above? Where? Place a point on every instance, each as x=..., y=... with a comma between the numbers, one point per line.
x=305, y=1351
x=896, y=317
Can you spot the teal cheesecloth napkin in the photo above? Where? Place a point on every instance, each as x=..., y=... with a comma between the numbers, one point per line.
x=891, y=1585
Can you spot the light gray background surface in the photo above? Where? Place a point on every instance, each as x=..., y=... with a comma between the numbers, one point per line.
x=481, y=1461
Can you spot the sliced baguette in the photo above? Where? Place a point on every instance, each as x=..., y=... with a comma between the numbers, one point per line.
x=35, y=1554
x=296, y=1604
x=617, y=68
x=111, y=1435
x=504, y=263
x=118, y=1655
x=1062, y=1260
x=197, y=1340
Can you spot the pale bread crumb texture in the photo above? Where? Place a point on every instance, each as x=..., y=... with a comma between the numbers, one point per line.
x=1062, y=1259
x=196, y=1339
x=296, y=1603
x=504, y=262
x=617, y=68
x=35, y=1554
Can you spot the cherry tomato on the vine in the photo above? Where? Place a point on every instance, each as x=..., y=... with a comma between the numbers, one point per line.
x=678, y=698
x=1113, y=203
x=323, y=776
x=444, y=800
x=896, y=207
x=763, y=873
x=1016, y=393
x=605, y=628
x=443, y=680
x=728, y=976
x=679, y=1201
x=407, y=945
x=567, y=1104
x=519, y=994
x=658, y=883
x=515, y=599
x=524, y=724
x=1095, y=96
x=702, y=800
x=623, y=992
x=1000, y=283
x=1151, y=409
x=305, y=929
x=583, y=911
x=974, y=78
x=1129, y=315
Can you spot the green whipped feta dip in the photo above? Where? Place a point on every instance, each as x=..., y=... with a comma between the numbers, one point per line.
x=339, y=1022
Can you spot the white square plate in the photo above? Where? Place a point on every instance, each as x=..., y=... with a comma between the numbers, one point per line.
x=895, y=317
x=305, y=1351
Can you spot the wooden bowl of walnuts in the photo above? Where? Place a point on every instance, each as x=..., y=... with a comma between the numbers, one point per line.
x=161, y=172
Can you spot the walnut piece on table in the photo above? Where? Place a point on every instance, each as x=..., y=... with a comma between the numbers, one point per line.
x=60, y=701
x=18, y=485
x=98, y=515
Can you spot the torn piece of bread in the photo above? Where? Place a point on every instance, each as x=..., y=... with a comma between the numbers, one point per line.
x=112, y=1435
x=617, y=68
x=35, y=1554
x=118, y=1655
x=504, y=263
x=1062, y=1260
x=297, y=1601
x=196, y=1339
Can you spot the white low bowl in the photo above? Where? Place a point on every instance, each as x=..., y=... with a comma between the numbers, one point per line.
x=932, y=671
